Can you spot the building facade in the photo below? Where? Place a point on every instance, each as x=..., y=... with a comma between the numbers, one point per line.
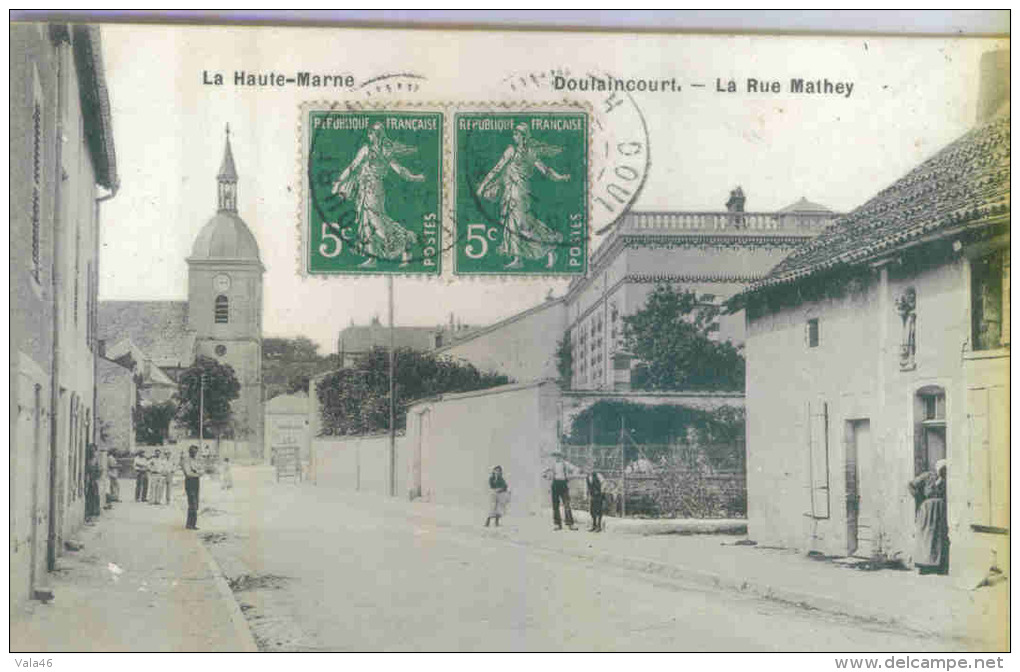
x=62, y=167
x=522, y=347
x=116, y=407
x=222, y=318
x=880, y=348
x=714, y=254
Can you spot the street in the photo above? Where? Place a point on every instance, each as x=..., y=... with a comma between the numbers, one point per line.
x=315, y=569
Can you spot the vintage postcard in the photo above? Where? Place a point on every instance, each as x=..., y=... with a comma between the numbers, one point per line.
x=347, y=338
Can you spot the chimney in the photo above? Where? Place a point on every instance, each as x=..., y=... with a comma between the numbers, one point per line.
x=993, y=91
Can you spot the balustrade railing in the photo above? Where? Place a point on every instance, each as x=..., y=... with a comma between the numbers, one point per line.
x=730, y=221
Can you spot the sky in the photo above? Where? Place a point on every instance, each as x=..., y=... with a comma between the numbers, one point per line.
x=911, y=96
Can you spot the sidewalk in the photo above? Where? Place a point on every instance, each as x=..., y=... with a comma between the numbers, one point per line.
x=140, y=583
x=977, y=619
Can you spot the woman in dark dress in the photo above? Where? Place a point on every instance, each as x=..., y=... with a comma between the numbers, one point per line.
x=497, y=495
x=931, y=552
x=595, y=500
x=93, y=472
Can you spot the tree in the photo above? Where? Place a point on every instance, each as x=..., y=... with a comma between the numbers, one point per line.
x=152, y=422
x=221, y=387
x=565, y=361
x=356, y=400
x=289, y=363
x=670, y=338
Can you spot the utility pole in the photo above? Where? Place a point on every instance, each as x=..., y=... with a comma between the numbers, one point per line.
x=393, y=400
x=623, y=468
x=201, y=409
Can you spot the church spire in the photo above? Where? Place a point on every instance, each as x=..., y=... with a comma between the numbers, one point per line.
x=227, y=179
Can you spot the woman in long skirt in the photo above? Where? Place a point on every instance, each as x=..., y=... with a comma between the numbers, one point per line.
x=931, y=553
x=498, y=492
x=93, y=472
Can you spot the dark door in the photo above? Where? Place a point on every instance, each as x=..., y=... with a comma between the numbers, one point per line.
x=859, y=432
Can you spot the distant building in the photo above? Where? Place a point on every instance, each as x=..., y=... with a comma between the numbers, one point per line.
x=222, y=318
x=287, y=422
x=355, y=342
x=715, y=254
x=116, y=407
x=523, y=346
x=879, y=349
x=62, y=167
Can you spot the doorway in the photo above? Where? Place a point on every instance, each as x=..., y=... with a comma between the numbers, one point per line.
x=858, y=444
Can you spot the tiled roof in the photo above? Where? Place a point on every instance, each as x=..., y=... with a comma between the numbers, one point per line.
x=804, y=205
x=965, y=182
x=95, y=103
x=158, y=328
x=364, y=338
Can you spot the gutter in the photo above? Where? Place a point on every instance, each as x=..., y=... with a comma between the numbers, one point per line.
x=51, y=531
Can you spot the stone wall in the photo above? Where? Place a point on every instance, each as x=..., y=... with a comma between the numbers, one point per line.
x=358, y=464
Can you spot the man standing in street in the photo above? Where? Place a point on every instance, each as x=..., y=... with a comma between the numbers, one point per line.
x=112, y=472
x=141, y=466
x=192, y=472
x=156, y=478
x=561, y=472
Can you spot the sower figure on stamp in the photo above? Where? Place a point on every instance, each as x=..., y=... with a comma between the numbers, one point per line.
x=379, y=236
x=561, y=472
x=524, y=235
x=192, y=469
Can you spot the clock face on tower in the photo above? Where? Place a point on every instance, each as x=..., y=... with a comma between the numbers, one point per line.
x=221, y=282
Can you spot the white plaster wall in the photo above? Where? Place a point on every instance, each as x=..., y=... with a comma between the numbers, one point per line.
x=855, y=370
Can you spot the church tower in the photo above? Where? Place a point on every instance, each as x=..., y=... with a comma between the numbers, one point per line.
x=225, y=302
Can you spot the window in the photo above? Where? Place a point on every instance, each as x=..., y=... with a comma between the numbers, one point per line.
x=929, y=428
x=812, y=333
x=221, y=311
x=989, y=297
x=36, y=186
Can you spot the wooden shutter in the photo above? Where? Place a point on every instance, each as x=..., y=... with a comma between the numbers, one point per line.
x=818, y=457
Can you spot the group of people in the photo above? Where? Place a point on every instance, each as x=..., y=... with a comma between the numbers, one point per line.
x=154, y=476
x=560, y=474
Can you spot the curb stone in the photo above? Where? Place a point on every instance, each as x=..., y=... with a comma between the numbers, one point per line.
x=693, y=576
x=237, y=619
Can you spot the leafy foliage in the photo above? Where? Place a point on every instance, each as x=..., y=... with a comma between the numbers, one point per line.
x=289, y=363
x=356, y=400
x=718, y=433
x=221, y=387
x=670, y=338
x=565, y=361
x=152, y=423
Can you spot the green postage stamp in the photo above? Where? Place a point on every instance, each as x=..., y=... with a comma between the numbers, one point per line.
x=374, y=191
x=521, y=192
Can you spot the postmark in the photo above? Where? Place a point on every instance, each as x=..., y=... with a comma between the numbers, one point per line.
x=373, y=197
x=620, y=153
x=521, y=186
